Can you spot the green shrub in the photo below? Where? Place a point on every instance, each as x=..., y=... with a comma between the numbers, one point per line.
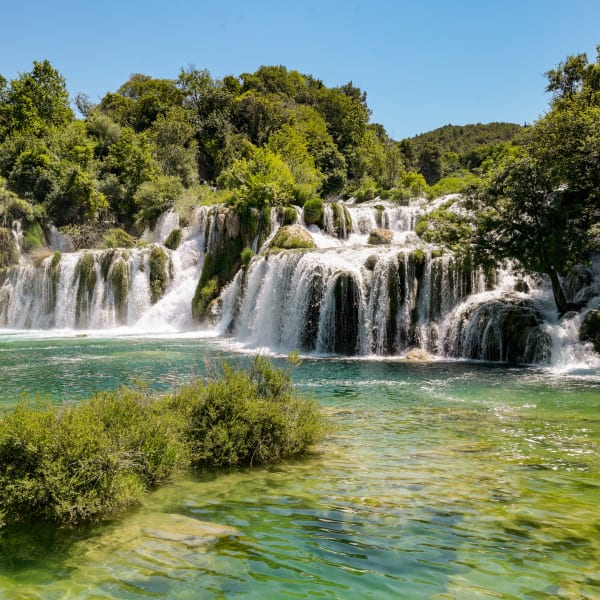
x=246, y=256
x=313, y=212
x=72, y=464
x=118, y=238
x=248, y=417
x=290, y=216
x=367, y=190
x=158, y=273
x=79, y=463
x=173, y=240
x=33, y=237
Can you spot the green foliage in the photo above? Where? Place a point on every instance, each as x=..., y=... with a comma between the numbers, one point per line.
x=263, y=179
x=9, y=253
x=290, y=216
x=246, y=256
x=367, y=190
x=452, y=185
x=33, y=237
x=117, y=238
x=80, y=463
x=313, y=212
x=158, y=277
x=249, y=417
x=173, y=240
x=449, y=226
x=35, y=102
x=155, y=197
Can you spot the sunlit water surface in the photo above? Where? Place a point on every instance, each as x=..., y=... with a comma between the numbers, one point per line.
x=441, y=480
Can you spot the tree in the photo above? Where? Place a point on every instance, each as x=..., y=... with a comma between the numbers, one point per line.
x=430, y=163
x=541, y=209
x=35, y=101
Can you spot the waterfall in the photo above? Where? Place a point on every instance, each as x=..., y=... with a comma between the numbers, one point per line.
x=105, y=289
x=347, y=296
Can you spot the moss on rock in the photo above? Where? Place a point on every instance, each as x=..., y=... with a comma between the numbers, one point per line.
x=313, y=212
x=290, y=237
x=158, y=273
x=173, y=240
x=9, y=253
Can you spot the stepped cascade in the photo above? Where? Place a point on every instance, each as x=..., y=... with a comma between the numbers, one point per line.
x=367, y=285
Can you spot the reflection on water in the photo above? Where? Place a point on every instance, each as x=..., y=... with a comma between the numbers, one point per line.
x=442, y=480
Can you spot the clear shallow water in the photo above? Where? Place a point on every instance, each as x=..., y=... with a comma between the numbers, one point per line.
x=441, y=480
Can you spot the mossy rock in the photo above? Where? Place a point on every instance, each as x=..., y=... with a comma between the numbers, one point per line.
x=220, y=265
x=158, y=273
x=118, y=238
x=417, y=354
x=313, y=212
x=590, y=329
x=33, y=237
x=289, y=215
x=371, y=262
x=290, y=237
x=380, y=237
x=173, y=240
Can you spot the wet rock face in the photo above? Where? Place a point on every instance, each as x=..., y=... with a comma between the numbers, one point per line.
x=590, y=329
x=507, y=330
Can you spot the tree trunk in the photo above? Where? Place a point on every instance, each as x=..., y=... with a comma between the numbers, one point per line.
x=559, y=296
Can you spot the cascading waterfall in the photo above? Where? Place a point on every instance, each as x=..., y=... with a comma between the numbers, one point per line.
x=104, y=289
x=345, y=297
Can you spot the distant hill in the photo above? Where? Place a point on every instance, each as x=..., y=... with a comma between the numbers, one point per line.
x=455, y=148
x=464, y=138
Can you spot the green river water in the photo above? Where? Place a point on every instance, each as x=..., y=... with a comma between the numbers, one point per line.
x=440, y=480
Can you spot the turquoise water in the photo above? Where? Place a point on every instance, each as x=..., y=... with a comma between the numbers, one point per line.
x=441, y=480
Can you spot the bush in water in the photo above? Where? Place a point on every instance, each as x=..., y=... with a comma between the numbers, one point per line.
x=79, y=463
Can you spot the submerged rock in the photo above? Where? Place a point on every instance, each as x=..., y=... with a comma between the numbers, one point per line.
x=417, y=354
x=507, y=329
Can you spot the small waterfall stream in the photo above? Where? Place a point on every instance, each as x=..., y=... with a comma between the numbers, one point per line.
x=347, y=296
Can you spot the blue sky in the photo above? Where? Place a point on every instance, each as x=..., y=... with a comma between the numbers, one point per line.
x=423, y=63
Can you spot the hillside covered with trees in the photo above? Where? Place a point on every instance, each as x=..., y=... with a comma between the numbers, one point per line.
x=270, y=137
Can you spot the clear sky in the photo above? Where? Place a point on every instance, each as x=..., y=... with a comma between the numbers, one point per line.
x=423, y=64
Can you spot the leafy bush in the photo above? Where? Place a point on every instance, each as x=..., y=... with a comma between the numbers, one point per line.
x=248, y=417
x=118, y=238
x=78, y=463
x=246, y=256
x=71, y=464
x=155, y=197
x=367, y=190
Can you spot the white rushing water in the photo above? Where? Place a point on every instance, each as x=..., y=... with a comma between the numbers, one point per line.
x=347, y=296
